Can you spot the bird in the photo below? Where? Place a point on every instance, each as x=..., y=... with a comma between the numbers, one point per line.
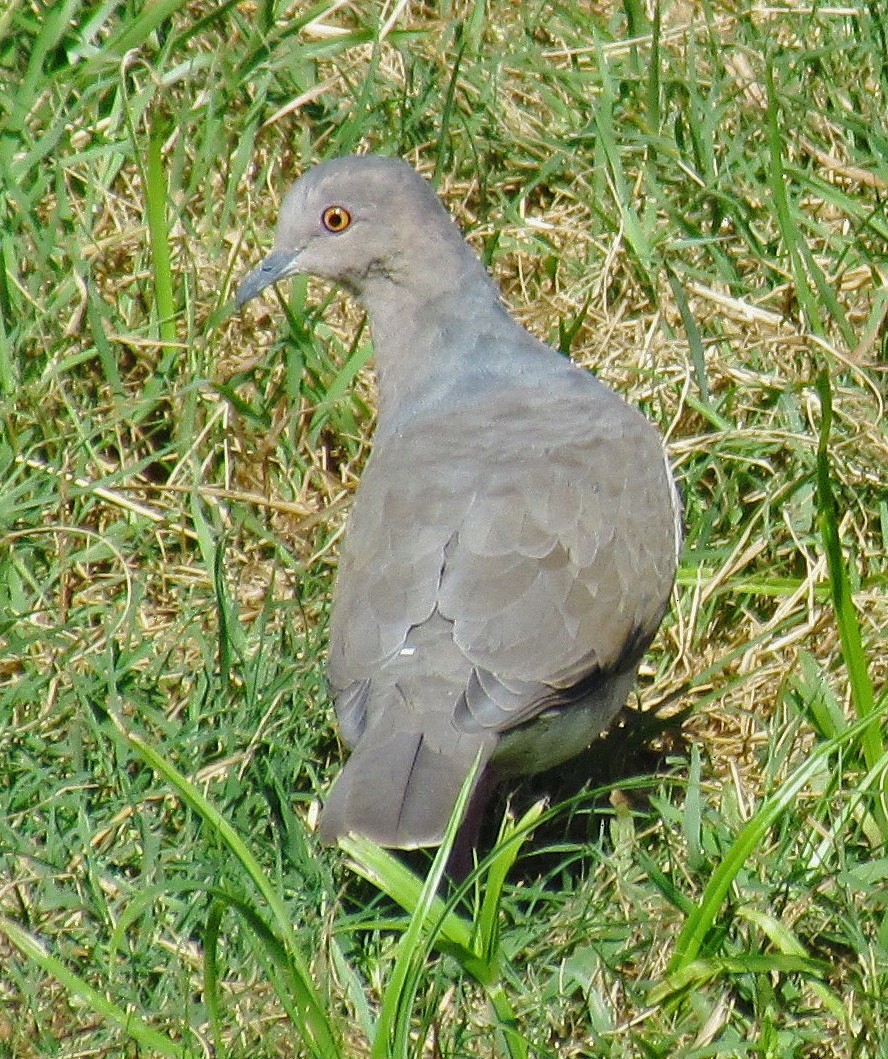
x=514, y=536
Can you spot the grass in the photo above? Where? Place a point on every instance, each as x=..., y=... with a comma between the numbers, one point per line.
x=689, y=199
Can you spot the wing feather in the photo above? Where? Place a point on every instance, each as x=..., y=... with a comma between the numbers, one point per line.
x=539, y=540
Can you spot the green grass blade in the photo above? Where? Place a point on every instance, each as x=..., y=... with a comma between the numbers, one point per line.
x=156, y=196
x=843, y=602
x=433, y=923
x=52, y=25
x=211, y=973
x=792, y=238
x=132, y=34
x=394, y=878
x=789, y=945
x=317, y=1030
x=608, y=138
x=695, y=340
x=494, y=871
x=393, y=1028
x=128, y=1022
x=700, y=921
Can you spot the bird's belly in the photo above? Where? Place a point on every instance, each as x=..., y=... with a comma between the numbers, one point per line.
x=558, y=734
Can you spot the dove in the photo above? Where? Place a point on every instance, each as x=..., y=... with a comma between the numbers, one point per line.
x=512, y=544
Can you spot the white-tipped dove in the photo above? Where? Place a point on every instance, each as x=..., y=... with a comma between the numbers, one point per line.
x=513, y=540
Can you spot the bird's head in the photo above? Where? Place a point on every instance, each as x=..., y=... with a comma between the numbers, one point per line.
x=354, y=219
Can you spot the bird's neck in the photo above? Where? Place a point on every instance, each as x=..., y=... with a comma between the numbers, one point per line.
x=429, y=327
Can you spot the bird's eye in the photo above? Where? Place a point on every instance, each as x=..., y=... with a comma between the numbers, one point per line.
x=336, y=219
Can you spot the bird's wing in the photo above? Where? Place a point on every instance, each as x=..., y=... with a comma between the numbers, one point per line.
x=539, y=525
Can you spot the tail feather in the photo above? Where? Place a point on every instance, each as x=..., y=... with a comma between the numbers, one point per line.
x=399, y=791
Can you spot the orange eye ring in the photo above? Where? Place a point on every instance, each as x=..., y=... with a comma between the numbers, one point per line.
x=336, y=219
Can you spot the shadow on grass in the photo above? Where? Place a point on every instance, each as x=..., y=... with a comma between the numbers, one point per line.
x=628, y=762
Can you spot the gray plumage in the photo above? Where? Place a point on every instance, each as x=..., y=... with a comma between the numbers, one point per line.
x=513, y=539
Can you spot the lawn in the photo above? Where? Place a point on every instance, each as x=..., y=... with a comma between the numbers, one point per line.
x=688, y=199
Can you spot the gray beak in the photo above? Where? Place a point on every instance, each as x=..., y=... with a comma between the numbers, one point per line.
x=278, y=265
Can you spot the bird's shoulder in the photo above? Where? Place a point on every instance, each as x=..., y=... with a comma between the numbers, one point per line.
x=509, y=421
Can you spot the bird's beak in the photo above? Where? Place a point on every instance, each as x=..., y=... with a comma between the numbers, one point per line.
x=278, y=265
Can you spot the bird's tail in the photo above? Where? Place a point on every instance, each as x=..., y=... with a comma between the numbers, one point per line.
x=399, y=789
